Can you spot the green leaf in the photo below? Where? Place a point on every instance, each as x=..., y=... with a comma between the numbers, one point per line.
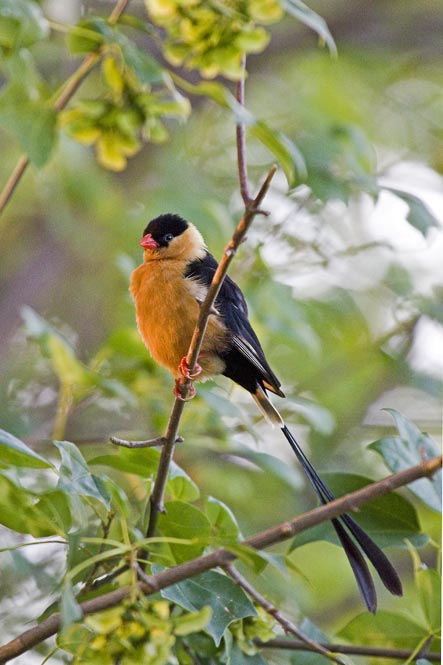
x=142, y=462
x=184, y=521
x=222, y=519
x=406, y=450
x=14, y=451
x=387, y=628
x=20, y=511
x=305, y=15
x=288, y=155
x=33, y=123
x=419, y=215
x=69, y=608
x=429, y=587
x=181, y=486
x=144, y=66
x=192, y=622
x=55, y=505
x=238, y=657
x=390, y=520
x=227, y=601
x=88, y=35
x=75, y=477
x=22, y=23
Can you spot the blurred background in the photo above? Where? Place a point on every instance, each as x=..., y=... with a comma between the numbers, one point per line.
x=344, y=277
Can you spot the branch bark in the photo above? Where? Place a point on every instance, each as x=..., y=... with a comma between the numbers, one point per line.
x=347, y=649
x=68, y=90
x=223, y=557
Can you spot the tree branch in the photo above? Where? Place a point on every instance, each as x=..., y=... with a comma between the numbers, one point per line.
x=286, y=624
x=241, y=140
x=347, y=649
x=223, y=557
x=68, y=90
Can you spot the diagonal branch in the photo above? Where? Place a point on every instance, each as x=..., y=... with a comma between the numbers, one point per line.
x=68, y=90
x=223, y=557
x=287, y=625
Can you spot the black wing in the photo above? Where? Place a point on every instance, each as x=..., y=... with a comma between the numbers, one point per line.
x=245, y=361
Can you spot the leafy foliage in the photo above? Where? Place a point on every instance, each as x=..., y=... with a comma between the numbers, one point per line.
x=77, y=371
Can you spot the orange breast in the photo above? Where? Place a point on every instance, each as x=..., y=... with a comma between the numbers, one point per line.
x=167, y=310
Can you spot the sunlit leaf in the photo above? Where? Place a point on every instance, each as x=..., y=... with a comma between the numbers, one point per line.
x=14, y=451
x=227, y=601
x=20, y=511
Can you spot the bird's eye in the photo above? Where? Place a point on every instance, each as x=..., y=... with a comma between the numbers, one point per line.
x=168, y=237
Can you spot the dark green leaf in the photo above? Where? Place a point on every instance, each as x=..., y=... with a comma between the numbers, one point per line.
x=14, y=451
x=390, y=519
x=309, y=18
x=419, y=216
x=406, y=450
x=227, y=600
x=182, y=520
x=75, y=477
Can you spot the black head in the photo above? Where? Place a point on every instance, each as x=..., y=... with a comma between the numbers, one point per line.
x=165, y=228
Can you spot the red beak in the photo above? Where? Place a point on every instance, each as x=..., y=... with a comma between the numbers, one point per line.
x=148, y=242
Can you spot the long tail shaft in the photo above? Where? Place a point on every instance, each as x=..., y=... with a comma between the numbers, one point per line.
x=342, y=525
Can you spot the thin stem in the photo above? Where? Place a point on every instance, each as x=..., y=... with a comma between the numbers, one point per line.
x=286, y=624
x=60, y=102
x=346, y=649
x=281, y=532
x=241, y=139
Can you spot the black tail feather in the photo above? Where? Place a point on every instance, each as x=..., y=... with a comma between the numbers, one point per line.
x=379, y=560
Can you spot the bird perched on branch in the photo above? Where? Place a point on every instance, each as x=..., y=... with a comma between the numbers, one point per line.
x=167, y=289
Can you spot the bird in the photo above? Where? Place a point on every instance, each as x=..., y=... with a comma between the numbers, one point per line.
x=167, y=289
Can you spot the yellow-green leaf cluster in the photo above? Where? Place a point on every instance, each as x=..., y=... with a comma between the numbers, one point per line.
x=212, y=37
x=131, y=634
x=131, y=112
x=246, y=630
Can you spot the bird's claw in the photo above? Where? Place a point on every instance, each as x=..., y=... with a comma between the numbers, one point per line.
x=178, y=394
x=184, y=369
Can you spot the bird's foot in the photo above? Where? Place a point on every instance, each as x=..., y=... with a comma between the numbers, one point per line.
x=184, y=369
x=177, y=391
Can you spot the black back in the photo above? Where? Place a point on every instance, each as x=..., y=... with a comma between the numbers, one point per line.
x=245, y=360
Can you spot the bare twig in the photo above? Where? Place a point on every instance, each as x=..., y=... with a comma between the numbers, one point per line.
x=241, y=140
x=222, y=557
x=286, y=624
x=346, y=649
x=149, y=443
x=68, y=90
